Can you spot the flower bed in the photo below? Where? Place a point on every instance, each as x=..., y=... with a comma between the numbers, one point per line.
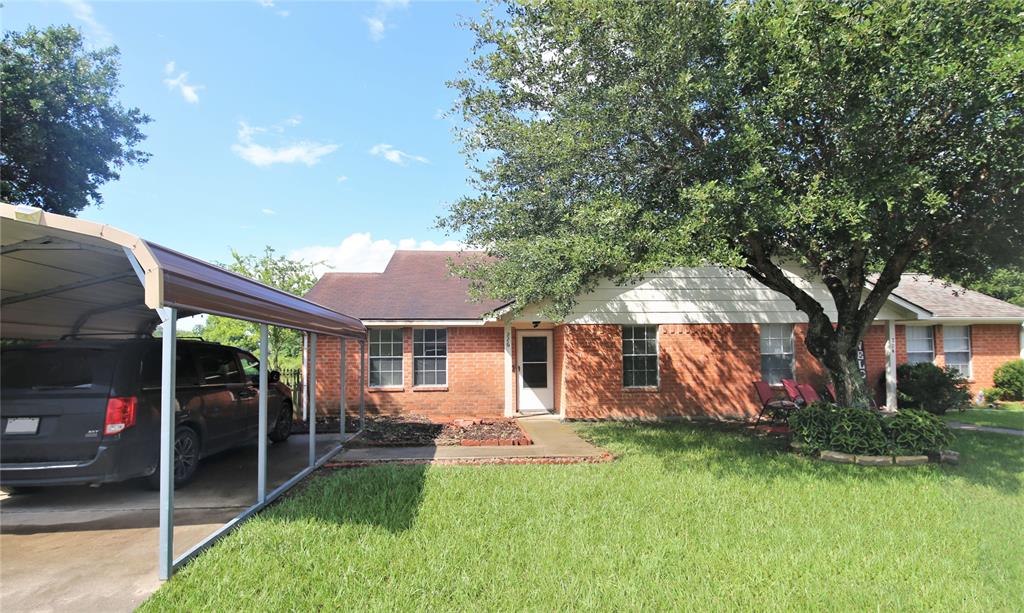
x=418, y=432
x=862, y=433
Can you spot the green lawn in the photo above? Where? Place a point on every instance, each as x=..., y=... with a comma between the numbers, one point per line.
x=688, y=518
x=1008, y=415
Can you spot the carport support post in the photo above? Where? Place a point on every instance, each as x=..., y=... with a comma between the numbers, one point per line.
x=167, y=411
x=312, y=399
x=362, y=385
x=344, y=365
x=261, y=463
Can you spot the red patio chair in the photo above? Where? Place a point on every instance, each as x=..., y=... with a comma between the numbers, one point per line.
x=792, y=391
x=770, y=404
x=809, y=394
x=831, y=390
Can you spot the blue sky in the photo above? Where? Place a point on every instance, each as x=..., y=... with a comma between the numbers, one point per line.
x=314, y=127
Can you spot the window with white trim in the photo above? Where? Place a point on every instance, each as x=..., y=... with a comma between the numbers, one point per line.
x=430, y=356
x=776, y=352
x=920, y=344
x=639, y=356
x=386, y=357
x=956, y=344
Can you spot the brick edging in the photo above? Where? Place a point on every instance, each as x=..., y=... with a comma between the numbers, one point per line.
x=601, y=459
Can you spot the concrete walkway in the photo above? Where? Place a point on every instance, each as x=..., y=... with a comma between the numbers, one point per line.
x=551, y=439
x=957, y=425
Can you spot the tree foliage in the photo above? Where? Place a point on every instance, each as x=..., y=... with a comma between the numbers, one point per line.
x=615, y=139
x=64, y=134
x=293, y=276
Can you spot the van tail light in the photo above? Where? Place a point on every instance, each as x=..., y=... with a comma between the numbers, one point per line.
x=120, y=415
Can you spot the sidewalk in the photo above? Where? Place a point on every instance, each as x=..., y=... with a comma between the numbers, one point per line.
x=552, y=440
x=957, y=425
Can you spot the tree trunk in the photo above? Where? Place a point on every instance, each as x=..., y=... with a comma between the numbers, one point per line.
x=837, y=352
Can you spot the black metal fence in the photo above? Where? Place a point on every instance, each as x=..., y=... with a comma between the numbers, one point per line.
x=292, y=377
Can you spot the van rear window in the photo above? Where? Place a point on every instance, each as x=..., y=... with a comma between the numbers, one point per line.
x=57, y=368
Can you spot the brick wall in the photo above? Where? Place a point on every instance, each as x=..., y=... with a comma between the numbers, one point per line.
x=991, y=346
x=705, y=370
x=475, y=384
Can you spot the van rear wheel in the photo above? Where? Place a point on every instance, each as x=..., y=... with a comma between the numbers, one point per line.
x=283, y=426
x=186, y=458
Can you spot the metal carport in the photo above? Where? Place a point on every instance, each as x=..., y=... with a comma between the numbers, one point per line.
x=66, y=276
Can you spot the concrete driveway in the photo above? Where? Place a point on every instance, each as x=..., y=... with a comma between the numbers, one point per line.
x=95, y=549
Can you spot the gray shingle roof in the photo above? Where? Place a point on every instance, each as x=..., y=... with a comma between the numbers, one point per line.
x=415, y=285
x=944, y=299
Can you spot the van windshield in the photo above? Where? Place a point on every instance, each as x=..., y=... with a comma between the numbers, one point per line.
x=54, y=368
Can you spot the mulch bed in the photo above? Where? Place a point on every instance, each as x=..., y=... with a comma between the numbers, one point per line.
x=419, y=432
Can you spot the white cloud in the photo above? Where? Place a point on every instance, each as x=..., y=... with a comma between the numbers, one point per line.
x=360, y=253
x=378, y=22
x=98, y=34
x=342, y=179
x=304, y=152
x=268, y=211
x=395, y=156
x=188, y=91
x=377, y=26
x=269, y=4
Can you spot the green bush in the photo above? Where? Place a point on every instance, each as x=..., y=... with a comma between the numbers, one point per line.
x=995, y=394
x=913, y=432
x=933, y=389
x=1010, y=378
x=821, y=427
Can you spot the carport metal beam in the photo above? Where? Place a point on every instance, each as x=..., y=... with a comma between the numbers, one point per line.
x=311, y=420
x=261, y=462
x=168, y=379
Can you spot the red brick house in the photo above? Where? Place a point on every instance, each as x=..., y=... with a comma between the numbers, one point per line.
x=681, y=343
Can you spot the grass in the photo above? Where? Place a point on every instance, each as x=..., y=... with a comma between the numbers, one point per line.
x=1008, y=415
x=688, y=518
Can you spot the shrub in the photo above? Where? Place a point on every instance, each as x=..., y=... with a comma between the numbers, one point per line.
x=823, y=426
x=995, y=394
x=916, y=432
x=1010, y=378
x=858, y=431
x=933, y=389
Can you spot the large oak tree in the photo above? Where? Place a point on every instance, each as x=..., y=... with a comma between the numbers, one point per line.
x=856, y=139
x=63, y=133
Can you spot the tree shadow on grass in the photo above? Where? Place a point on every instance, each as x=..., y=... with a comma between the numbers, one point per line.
x=387, y=496
x=990, y=460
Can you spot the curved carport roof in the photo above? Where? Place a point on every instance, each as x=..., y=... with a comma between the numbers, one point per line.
x=62, y=275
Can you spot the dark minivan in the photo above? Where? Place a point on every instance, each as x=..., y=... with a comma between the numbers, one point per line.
x=88, y=411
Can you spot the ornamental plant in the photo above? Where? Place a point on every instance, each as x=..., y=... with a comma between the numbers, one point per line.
x=1009, y=378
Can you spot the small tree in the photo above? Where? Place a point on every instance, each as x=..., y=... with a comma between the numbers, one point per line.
x=293, y=276
x=63, y=134
x=852, y=138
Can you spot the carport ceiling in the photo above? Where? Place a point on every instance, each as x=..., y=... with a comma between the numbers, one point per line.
x=60, y=275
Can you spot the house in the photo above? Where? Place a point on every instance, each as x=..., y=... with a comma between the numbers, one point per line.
x=683, y=342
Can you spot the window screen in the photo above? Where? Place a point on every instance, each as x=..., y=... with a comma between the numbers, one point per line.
x=386, y=357
x=920, y=344
x=640, y=356
x=776, y=352
x=956, y=344
x=430, y=356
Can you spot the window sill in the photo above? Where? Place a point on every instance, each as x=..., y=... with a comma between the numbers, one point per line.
x=375, y=390
x=645, y=388
x=430, y=388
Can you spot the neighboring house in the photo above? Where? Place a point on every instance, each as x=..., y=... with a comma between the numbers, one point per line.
x=684, y=342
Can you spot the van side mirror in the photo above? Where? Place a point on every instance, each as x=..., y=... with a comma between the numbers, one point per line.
x=273, y=376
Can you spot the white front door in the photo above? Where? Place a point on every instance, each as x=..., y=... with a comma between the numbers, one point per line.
x=536, y=383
